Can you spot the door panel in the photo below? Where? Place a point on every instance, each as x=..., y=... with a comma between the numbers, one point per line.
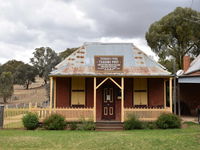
x=108, y=104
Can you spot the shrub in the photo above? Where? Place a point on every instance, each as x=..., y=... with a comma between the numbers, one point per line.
x=30, y=121
x=132, y=123
x=55, y=122
x=87, y=125
x=149, y=125
x=73, y=126
x=166, y=121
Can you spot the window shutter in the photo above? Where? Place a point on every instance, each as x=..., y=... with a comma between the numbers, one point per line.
x=78, y=91
x=140, y=91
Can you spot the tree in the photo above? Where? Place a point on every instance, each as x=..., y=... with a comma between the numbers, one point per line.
x=66, y=53
x=25, y=75
x=175, y=36
x=11, y=66
x=45, y=59
x=1, y=69
x=6, y=85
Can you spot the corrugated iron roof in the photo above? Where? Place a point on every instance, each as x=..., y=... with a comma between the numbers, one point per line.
x=136, y=62
x=189, y=79
x=194, y=66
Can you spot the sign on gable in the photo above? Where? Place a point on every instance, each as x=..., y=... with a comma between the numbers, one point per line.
x=109, y=63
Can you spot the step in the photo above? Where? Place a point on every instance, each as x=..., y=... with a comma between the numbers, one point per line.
x=109, y=126
x=105, y=124
x=106, y=129
x=109, y=122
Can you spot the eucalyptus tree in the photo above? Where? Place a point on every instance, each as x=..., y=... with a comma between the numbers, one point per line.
x=25, y=75
x=44, y=60
x=6, y=85
x=175, y=35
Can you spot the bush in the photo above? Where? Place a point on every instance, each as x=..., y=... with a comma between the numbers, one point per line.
x=73, y=126
x=87, y=125
x=55, y=122
x=166, y=121
x=132, y=123
x=149, y=125
x=30, y=121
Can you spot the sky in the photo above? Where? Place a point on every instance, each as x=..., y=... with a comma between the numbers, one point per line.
x=60, y=24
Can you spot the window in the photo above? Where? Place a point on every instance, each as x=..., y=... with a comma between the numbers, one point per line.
x=140, y=91
x=78, y=91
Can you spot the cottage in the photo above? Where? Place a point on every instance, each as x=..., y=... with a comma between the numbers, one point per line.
x=189, y=84
x=109, y=81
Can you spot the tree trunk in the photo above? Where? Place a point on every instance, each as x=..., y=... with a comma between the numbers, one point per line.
x=27, y=86
x=5, y=99
x=45, y=81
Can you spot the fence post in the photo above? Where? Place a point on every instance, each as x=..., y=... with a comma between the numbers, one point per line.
x=1, y=116
x=36, y=105
x=29, y=106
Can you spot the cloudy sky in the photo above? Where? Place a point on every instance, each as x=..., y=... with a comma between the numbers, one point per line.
x=60, y=24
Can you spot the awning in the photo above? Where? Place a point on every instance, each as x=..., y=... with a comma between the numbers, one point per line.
x=193, y=79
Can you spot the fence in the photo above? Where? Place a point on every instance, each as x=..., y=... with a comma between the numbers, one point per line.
x=13, y=116
x=145, y=114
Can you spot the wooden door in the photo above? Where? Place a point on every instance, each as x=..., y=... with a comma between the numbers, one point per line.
x=108, y=104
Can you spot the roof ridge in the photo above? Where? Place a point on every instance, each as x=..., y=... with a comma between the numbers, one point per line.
x=108, y=43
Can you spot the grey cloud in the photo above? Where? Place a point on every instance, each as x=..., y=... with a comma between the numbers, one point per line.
x=129, y=18
x=25, y=25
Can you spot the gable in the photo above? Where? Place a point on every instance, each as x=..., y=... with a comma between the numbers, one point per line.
x=194, y=66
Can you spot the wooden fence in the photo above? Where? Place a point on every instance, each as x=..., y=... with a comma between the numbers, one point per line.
x=13, y=116
x=145, y=114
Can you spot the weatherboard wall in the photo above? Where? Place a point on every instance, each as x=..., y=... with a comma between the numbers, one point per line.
x=155, y=93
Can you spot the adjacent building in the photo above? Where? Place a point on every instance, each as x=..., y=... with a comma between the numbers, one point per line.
x=189, y=83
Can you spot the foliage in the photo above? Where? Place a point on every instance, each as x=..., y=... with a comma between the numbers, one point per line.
x=73, y=126
x=87, y=125
x=168, y=63
x=166, y=121
x=82, y=125
x=132, y=123
x=1, y=69
x=11, y=66
x=189, y=123
x=66, y=53
x=30, y=121
x=6, y=85
x=55, y=122
x=175, y=36
x=149, y=125
x=25, y=75
x=45, y=59
x=47, y=88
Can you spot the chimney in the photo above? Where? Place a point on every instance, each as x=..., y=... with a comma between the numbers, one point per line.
x=186, y=63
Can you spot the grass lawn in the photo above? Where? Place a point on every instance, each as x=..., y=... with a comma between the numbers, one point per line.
x=173, y=139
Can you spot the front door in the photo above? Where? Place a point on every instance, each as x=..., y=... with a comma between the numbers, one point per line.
x=108, y=104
